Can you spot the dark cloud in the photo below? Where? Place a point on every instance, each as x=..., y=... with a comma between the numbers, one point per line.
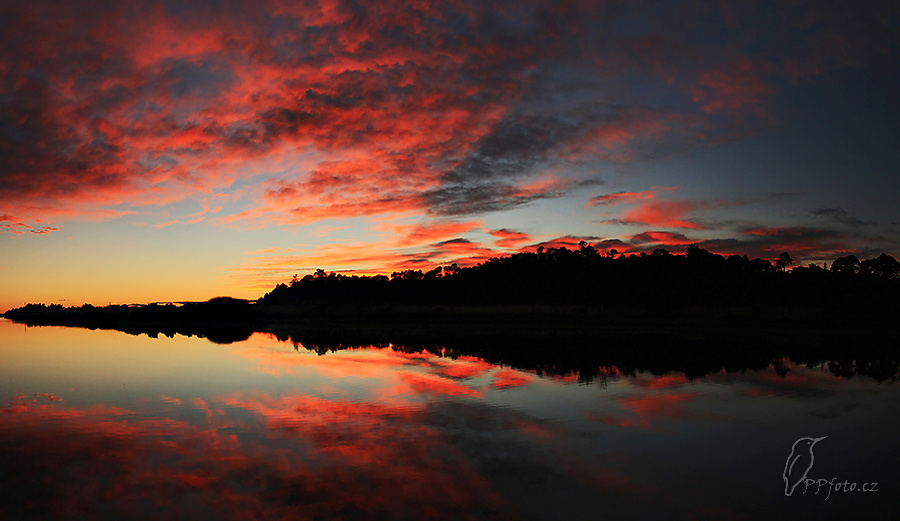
x=476, y=199
x=611, y=244
x=839, y=215
x=514, y=146
x=769, y=242
x=667, y=238
x=449, y=242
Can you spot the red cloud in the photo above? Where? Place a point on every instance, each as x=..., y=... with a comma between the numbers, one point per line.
x=647, y=210
x=509, y=238
x=734, y=87
x=803, y=243
x=424, y=233
x=621, y=197
x=15, y=226
x=663, y=238
x=669, y=214
x=628, y=197
x=618, y=139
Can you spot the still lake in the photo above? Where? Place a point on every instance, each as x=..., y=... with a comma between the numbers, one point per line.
x=103, y=425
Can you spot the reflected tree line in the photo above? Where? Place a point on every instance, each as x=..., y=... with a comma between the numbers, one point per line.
x=558, y=311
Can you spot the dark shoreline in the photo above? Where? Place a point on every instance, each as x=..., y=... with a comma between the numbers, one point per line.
x=548, y=339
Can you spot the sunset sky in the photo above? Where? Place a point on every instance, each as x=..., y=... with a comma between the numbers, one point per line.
x=166, y=151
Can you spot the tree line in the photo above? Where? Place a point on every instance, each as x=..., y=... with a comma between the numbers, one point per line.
x=557, y=310
x=586, y=276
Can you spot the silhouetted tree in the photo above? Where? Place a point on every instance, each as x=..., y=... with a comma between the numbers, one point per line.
x=694, y=250
x=761, y=265
x=586, y=249
x=848, y=264
x=695, y=253
x=784, y=260
x=883, y=266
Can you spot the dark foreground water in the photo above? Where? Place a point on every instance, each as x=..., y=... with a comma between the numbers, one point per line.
x=102, y=425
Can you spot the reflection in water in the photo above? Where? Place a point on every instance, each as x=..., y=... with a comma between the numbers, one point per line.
x=99, y=425
x=254, y=457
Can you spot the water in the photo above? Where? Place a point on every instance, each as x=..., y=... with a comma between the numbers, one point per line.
x=103, y=425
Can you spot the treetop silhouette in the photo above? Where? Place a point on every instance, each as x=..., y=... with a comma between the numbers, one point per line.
x=585, y=276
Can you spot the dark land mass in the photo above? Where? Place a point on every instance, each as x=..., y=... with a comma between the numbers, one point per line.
x=559, y=311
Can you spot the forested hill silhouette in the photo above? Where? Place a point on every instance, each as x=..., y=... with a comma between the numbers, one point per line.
x=610, y=282
x=587, y=277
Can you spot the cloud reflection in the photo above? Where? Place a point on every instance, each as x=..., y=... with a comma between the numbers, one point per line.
x=428, y=437
x=252, y=457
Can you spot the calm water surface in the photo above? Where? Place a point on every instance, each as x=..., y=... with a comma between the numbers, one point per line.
x=102, y=425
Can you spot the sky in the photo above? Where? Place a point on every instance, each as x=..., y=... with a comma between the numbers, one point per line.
x=170, y=151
